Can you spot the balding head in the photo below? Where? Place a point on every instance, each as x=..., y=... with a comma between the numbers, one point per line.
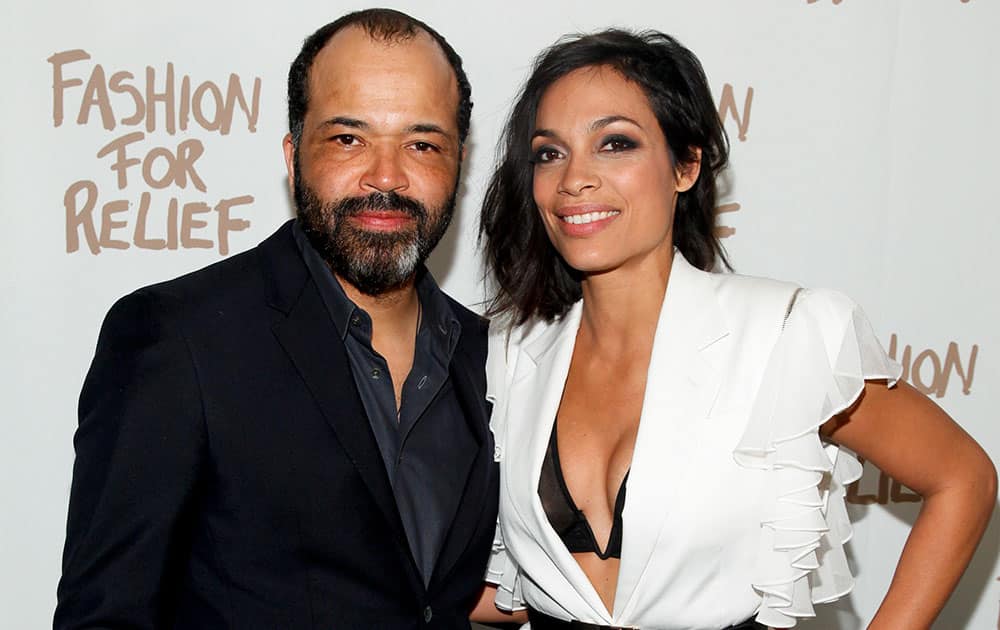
x=381, y=25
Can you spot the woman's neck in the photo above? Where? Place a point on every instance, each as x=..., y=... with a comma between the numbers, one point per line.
x=622, y=307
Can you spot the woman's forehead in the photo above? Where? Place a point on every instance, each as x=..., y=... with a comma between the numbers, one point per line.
x=589, y=95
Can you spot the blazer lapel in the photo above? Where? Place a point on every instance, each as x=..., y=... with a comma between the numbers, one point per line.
x=681, y=387
x=535, y=393
x=310, y=339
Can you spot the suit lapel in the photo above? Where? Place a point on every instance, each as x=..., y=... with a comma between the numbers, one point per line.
x=472, y=399
x=681, y=387
x=310, y=339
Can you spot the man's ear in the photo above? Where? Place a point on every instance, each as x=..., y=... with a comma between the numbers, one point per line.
x=289, y=148
x=687, y=173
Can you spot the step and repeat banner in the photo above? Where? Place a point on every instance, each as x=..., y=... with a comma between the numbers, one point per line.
x=142, y=141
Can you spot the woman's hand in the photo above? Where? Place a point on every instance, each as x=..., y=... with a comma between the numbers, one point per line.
x=487, y=612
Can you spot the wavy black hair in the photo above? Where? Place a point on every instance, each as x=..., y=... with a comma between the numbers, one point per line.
x=387, y=25
x=532, y=278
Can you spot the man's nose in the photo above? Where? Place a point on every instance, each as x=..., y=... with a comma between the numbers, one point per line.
x=385, y=172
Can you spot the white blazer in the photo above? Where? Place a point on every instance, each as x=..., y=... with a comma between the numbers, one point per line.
x=734, y=506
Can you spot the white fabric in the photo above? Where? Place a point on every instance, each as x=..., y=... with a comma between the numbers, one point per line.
x=734, y=505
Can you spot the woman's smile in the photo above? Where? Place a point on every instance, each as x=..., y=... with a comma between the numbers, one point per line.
x=585, y=219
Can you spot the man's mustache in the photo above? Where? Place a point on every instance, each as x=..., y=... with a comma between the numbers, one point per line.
x=379, y=201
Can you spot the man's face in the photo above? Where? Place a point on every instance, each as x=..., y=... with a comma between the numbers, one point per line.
x=376, y=170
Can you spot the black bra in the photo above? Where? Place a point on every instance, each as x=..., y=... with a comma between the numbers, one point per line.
x=569, y=521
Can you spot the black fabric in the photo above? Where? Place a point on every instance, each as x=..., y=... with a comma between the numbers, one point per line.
x=227, y=476
x=569, y=522
x=427, y=472
x=541, y=621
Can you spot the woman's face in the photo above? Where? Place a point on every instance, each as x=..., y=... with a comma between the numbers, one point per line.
x=603, y=179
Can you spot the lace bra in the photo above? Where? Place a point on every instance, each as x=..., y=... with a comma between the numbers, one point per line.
x=569, y=521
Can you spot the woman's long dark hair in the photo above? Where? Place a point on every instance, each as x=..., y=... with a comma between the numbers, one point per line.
x=532, y=278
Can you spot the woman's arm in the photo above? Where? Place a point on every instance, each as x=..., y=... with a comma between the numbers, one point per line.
x=487, y=612
x=909, y=437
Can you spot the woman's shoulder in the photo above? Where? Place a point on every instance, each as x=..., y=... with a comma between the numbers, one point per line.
x=741, y=289
x=750, y=295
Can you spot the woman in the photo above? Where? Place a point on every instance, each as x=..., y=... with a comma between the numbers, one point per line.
x=668, y=436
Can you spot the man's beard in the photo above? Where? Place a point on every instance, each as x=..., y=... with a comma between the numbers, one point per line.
x=374, y=262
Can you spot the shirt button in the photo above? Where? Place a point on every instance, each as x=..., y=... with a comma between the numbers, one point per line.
x=376, y=373
x=497, y=452
x=355, y=320
x=422, y=383
x=428, y=614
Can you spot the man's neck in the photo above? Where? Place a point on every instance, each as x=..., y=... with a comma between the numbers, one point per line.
x=395, y=317
x=395, y=309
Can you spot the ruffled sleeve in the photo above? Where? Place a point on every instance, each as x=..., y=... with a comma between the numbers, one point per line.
x=505, y=574
x=502, y=570
x=498, y=379
x=817, y=369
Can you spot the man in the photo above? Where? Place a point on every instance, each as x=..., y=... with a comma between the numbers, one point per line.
x=297, y=437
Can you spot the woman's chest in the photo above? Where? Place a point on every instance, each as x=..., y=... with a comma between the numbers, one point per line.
x=683, y=483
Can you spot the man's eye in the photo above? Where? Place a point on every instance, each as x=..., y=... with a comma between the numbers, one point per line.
x=346, y=139
x=424, y=147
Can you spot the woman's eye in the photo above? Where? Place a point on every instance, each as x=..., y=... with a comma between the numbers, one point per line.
x=545, y=154
x=617, y=144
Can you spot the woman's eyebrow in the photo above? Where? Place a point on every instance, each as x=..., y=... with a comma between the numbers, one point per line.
x=544, y=133
x=601, y=123
x=597, y=125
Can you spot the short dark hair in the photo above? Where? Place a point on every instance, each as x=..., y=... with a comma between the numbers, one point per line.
x=532, y=278
x=386, y=25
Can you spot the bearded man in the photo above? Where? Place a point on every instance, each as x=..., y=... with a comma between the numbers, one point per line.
x=297, y=437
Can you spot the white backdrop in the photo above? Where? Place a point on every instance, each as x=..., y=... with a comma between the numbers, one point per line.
x=863, y=159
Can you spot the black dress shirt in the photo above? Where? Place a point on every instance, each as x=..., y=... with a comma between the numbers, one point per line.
x=427, y=480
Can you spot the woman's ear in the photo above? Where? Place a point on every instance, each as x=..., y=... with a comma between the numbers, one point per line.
x=687, y=173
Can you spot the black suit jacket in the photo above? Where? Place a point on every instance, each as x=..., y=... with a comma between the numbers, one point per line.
x=227, y=477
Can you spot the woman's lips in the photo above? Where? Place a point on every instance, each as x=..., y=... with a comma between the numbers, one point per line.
x=585, y=220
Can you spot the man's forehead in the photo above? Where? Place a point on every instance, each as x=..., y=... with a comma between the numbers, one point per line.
x=354, y=45
x=357, y=76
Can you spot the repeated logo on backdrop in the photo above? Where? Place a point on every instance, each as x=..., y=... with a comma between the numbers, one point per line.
x=875, y=486
x=929, y=373
x=144, y=209
x=730, y=113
